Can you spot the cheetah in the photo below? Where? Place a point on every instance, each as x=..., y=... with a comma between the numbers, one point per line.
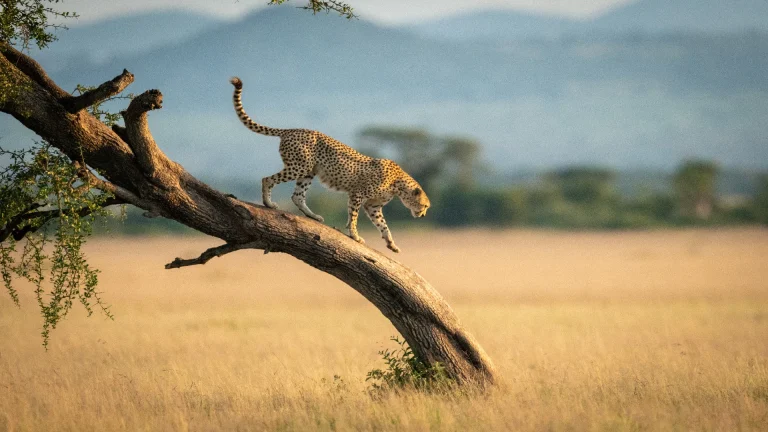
x=370, y=182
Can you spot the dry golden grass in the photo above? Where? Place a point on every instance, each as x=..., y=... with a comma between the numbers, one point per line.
x=591, y=331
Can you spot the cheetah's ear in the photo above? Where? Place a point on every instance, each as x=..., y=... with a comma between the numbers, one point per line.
x=417, y=192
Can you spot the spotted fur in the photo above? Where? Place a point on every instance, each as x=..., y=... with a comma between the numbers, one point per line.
x=370, y=183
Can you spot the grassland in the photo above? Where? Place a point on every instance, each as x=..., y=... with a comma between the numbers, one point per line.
x=592, y=331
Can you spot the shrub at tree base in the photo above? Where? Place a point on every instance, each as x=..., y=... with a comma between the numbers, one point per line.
x=405, y=371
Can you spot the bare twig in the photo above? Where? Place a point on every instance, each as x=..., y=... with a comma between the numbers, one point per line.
x=212, y=253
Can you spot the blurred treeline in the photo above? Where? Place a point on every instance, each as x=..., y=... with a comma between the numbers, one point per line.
x=450, y=168
x=465, y=192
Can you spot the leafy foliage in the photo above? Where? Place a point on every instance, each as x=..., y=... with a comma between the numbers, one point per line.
x=327, y=6
x=405, y=371
x=46, y=214
x=51, y=211
x=25, y=21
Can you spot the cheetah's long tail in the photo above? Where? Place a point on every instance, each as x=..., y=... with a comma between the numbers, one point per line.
x=245, y=118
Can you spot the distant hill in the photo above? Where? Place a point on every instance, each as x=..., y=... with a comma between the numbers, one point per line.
x=701, y=16
x=495, y=25
x=624, y=100
x=101, y=41
x=643, y=16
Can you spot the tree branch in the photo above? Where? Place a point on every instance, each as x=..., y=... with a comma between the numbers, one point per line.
x=31, y=68
x=7, y=230
x=18, y=232
x=85, y=211
x=103, y=92
x=121, y=132
x=213, y=252
x=123, y=194
x=161, y=170
x=417, y=311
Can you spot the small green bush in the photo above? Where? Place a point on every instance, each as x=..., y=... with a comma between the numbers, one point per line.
x=405, y=371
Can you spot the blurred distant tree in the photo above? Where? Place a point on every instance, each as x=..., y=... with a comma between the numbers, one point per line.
x=694, y=184
x=761, y=201
x=456, y=207
x=499, y=207
x=658, y=207
x=413, y=148
x=584, y=185
x=505, y=207
x=424, y=156
x=464, y=153
x=87, y=165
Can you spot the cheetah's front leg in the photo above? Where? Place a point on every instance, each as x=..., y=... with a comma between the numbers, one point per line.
x=353, y=209
x=376, y=216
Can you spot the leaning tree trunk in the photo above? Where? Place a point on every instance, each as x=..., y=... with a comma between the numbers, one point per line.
x=139, y=173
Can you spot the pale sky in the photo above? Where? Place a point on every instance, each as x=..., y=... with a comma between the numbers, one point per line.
x=382, y=11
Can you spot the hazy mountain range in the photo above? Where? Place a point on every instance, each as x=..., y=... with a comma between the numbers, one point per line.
x=644, y=86
x=119, y=37
x=645, y=16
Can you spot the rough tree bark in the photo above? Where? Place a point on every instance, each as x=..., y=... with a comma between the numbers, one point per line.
x=138, y=172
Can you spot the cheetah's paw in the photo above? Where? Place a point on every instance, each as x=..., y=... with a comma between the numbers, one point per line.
x=393, y=247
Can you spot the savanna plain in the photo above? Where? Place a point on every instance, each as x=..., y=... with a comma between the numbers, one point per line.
x=658, y=330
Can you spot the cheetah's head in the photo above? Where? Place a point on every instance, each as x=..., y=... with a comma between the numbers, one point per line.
x=416, y=200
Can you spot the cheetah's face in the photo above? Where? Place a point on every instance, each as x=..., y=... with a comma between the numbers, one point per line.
x=416, y=200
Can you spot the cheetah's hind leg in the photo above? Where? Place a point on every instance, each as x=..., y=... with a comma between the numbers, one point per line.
x=267, y=183
x=299, y=197
x=353, y=208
